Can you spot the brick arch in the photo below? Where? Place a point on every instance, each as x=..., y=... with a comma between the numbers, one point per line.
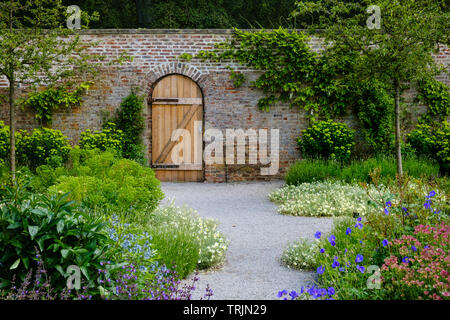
x=166, y=69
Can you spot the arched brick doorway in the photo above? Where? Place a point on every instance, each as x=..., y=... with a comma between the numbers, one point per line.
x=177, y=122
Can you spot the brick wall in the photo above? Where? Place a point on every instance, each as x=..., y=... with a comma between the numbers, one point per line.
x=155, y=55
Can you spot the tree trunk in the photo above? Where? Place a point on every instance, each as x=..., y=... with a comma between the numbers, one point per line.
x=398, y=146
x=12, y=128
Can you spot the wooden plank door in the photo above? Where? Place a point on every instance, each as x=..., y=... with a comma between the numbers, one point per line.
x=177, y=104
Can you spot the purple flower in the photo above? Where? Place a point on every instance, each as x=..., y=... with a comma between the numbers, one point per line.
x=359, y=219
x=332, y=240
x=360, y=269
x=413, y=247
x=348, y=231
x=335, y=264
x=386, y=211
x=359, y=225
x=331, y=291
x=318, y=235
x=385, y=243
x=426, y=247
x=293, y=294
x=359, y=258
x=320, y=269
x=281, y=293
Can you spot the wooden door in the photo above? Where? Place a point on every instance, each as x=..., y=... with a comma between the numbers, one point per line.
x=177, y=104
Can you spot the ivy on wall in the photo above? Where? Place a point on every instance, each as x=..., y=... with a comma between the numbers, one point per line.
x=46, y=102
x=436, y=96
x=293, y=73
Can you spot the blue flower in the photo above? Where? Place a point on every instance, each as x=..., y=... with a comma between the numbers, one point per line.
x=332, y=240
x=341, y=269
x=348, y=231
x=281, y=293
x=426, y=247
x=320, y=269
x=335, y=264
x=388, y=204
x=359, y=219
x=385, y=242
x=293, y=294
x=413, y=247
x=427, y=204
x=405, y=260
x=359, y=225
x=318, y=235
x=386, y=211
x=361, y=269
x=322, y=250
x=431, y=194
x=331, y=291
x=359, y=258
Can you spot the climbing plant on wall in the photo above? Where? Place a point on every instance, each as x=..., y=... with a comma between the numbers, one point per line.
x=46, y=102
x=293, y=73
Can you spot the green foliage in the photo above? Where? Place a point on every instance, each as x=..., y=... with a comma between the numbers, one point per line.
x=285, y=56
x=433, y=141
x=373, y=105
x=310, y=170
x=102, y=180
x=388, y=238
x=397, y=52
x=323, y=199
x=188, y=14
x=63, y=235
x=110, y=138
x=130, y=121
x=173, y=228
x=46, y=102
x=327, y=140
x=322, y=85
x=436, y=95
x=43, y=146
x=301, y=255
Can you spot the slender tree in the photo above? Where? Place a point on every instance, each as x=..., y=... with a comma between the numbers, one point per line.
x=395, y=40
x=38, y=49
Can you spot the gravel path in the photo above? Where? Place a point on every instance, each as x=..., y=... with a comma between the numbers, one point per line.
x=257, y=234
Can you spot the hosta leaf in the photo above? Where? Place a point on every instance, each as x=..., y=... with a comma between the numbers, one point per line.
x=60, y=226
x=15, y=264
x=33, y=230
x=64, y=253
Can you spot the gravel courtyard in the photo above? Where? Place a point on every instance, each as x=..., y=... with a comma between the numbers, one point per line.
x=257, y=234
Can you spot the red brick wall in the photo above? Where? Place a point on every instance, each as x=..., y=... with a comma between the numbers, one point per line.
x=155, y=55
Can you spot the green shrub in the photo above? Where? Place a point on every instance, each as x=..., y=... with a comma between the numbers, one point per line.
x=327, y=140
x=63, y=235
x=130, y=120
x=110, y=138
x=204, y=244
x=405, y=240
x=310, y=170
x=323, y=199
x=43, y=146
x=103, y=180
x=432, y=141
x=301, y=255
